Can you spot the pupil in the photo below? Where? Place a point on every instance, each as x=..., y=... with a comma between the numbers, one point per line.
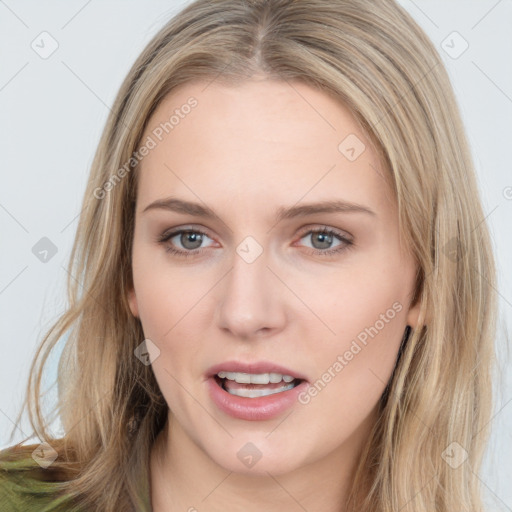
x=195, y=238
x=325, y=239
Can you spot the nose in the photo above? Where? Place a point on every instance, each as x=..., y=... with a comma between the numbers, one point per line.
x=251, y=300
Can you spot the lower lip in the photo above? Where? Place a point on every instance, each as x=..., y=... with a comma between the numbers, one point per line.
x=254, y=409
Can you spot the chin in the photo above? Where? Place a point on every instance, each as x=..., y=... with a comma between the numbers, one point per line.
x=258, y=457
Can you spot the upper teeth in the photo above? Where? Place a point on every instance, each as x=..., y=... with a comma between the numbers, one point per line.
x=258, y=378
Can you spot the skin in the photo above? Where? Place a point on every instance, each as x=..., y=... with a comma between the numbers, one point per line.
x=245, y=151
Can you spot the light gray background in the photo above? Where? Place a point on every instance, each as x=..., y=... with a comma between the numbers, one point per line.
x=53, y=111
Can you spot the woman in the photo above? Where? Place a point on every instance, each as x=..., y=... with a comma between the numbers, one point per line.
x=283, y=294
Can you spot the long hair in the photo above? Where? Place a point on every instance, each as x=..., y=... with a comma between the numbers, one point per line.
x=375, y=59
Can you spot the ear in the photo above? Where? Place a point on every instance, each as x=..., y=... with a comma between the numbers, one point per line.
x=132, y=301
x=415, y=306
x=413, y=314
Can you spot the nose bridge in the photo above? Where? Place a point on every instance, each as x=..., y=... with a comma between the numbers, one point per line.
x=251, y=299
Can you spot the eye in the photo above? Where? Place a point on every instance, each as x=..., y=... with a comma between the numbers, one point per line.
x=189, y=242
x=323, y=238
x=184, y=242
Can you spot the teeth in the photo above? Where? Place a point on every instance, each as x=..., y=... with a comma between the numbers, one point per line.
x=255, y=393
x=262, y=378
x=258, y=378
x=275, y=377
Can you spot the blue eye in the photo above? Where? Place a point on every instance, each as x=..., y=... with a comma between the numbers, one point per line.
x=323, y=238
x=191, y=241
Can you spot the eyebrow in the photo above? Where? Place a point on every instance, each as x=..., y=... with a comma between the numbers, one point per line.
x=282, y=213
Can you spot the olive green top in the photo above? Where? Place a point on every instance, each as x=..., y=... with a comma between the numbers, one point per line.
x=26, y=486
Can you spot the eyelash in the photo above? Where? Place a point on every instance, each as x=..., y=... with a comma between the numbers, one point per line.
x=346, y=243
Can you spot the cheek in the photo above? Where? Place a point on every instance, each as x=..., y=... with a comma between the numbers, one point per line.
x=351, y=298
x=369, y=329
x=371, y=312
x=366, y=308
x=164, y=294
x=353, y=369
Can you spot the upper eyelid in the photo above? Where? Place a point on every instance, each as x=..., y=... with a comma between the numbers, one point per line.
x=175, y=231
x=319, y=228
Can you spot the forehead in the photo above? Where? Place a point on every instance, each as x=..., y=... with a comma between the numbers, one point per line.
x=267, y=139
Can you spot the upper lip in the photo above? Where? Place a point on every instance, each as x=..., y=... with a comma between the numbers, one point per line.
x=254, y=368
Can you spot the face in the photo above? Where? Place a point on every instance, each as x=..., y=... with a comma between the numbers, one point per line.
x=298, y=267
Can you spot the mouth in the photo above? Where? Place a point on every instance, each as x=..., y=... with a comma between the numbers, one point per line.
x=255, y=385
x=255, y=391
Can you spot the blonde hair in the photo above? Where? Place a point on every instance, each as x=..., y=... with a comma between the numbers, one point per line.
x=375, y=59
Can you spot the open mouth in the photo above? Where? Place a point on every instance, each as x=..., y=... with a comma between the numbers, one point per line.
x=255, y=385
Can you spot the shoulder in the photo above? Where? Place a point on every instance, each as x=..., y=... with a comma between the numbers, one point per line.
x=27, y=485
